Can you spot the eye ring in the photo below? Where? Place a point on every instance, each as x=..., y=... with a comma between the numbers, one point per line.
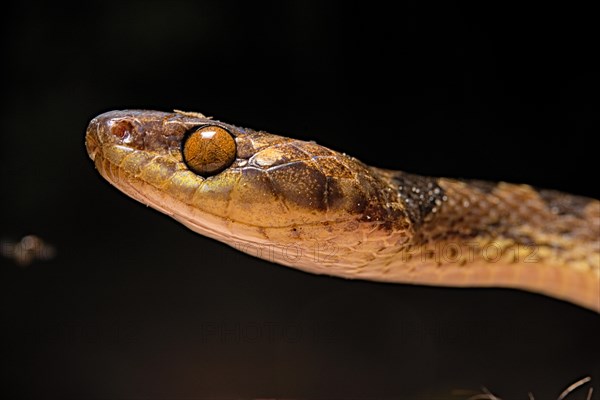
x=208, y=150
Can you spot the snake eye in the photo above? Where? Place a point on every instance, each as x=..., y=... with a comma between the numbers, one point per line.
x=208, y=150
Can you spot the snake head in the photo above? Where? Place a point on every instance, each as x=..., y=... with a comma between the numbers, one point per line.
x=230, y=182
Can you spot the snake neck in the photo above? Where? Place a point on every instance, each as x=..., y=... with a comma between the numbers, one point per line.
x=498, y=234
x=562, y=228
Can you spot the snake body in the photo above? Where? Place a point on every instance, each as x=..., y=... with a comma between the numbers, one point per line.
x=303, y=205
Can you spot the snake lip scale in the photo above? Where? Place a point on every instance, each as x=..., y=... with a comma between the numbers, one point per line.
x=303, y=205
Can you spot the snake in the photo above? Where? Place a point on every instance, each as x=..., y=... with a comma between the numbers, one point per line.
x=302, y=205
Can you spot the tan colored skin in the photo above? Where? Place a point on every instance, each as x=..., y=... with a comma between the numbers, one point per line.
x=300, y=204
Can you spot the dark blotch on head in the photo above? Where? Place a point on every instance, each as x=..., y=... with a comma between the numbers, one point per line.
x=301, y=183
x=259, y=181
x=346, y=194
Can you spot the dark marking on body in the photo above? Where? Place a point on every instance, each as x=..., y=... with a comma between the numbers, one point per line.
x=420, y=195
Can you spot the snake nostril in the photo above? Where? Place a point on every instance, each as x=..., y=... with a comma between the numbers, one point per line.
x=122, y=129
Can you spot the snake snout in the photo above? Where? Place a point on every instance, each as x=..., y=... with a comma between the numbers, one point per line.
x=91, y=139
x=114, y=127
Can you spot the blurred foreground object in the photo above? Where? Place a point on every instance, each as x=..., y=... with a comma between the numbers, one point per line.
x=487, y=395
x=26, y=251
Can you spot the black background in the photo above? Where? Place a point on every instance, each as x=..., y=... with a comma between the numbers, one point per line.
x=136, y=307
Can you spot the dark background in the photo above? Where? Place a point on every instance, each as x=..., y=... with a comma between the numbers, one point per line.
x=137, y=307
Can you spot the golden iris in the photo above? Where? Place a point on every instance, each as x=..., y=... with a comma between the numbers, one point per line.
x=209, y=150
